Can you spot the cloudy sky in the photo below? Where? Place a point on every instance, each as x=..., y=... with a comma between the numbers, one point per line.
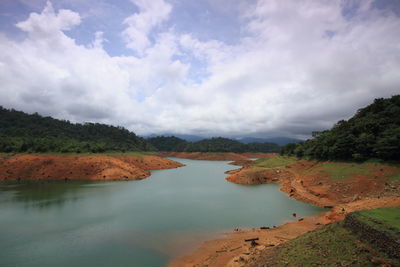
x=205, y=67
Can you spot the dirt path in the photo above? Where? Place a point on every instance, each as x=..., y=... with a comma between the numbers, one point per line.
x=298, y=191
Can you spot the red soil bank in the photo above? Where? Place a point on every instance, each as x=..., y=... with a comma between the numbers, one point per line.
x=81, y=167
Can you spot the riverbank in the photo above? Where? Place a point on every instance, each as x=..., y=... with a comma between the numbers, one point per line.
x=322, y=183
x=234, y=250
x=307, y=181
x=104, y=167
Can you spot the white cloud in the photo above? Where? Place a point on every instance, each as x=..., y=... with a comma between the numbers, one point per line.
x=48, y=22
x=151, y=14
x=99, y=40
x=300, y=66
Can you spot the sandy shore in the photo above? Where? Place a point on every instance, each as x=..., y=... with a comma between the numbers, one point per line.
x=343, y=196
x=81, y=167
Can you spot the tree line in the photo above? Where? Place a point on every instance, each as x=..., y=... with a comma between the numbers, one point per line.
x=373, y=132
x=215, y=144
x=21, y=132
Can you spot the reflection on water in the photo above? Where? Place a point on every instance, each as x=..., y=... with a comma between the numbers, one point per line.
x=131, y=223
x=42, y=194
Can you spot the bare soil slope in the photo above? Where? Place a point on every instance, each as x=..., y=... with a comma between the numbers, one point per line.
x=81, y=167
x=315, y=182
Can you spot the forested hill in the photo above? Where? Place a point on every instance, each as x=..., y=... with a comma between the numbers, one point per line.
x=168, y=143
x=21, y=132
x=373, y=132
x=216, y=144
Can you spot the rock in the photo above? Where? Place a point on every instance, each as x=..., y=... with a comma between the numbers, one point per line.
x=254, y=243
x=251, y=239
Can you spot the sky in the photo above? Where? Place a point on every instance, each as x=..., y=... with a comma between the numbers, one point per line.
x=235, y=68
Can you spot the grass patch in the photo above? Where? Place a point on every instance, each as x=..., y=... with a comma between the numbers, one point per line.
x=384, y=219
x=273, y=162
x=331, y=245
x=6, y=155
x=395, y=176
x=344, y=170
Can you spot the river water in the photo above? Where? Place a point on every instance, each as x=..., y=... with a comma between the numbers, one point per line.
x=132, y=223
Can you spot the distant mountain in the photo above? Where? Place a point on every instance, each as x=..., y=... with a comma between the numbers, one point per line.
x=22, y=132
x=281, y=141
x=277, y=140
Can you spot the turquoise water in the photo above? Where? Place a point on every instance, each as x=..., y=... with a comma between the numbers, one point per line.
x=132, y=223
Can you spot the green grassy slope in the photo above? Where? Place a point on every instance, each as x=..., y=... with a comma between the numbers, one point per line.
x=335, y=245
x=331, y=245
x=384, y=219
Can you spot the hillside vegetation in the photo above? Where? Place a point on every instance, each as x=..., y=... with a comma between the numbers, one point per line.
x=384, y=219
x=216, y=144
x=168, y=143
x=373, y=132
x=21, y=132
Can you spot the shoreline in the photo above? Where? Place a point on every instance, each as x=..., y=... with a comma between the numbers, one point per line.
x=233, y=250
